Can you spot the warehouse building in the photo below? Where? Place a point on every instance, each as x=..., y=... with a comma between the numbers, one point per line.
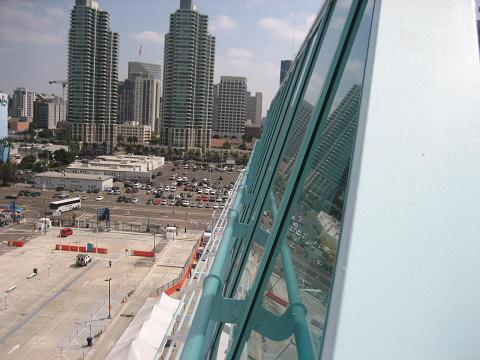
x=121, y=167
x=72, y=182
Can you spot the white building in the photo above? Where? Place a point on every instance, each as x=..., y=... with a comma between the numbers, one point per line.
x=22, y=104
x=231, y=107
x=73, y=182
x=49, y=111
x=122, y=167
x=142, y=133
x=146, y=108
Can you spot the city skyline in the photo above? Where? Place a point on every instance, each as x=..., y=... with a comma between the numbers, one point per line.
x=37, y=51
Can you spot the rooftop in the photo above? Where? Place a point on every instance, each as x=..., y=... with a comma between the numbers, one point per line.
x=52, y=174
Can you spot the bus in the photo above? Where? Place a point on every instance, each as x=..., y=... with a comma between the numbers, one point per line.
x=66, y=204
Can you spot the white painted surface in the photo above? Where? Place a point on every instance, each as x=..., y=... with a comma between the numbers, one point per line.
x=411, y=283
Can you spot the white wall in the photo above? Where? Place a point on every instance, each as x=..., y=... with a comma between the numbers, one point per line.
x=409, y=266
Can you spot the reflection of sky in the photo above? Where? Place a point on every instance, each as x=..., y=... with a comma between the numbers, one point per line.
x=354, y=68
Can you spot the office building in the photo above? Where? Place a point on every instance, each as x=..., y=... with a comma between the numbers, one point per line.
x=146, y=106
x=133, y=132
x=353, y=230
x=3, y=126
x=187, y=99
x=22, y=104
x=92, y=77
x=136, y=68
x=49, y=111
x=231, y=111
x=284, y=67
x=254, y=108
x=126, y=98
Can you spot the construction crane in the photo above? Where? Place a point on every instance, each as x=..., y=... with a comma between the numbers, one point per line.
x=61, y=82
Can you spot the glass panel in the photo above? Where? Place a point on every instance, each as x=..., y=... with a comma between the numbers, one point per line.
x=303, y=115
x=310, y=245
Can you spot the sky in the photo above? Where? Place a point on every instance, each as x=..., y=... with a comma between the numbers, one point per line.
x=252, y=37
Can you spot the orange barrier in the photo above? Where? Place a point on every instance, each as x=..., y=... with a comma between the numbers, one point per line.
x=142, y=253
x=276, y=298
x=76, y=248
x=16, y=243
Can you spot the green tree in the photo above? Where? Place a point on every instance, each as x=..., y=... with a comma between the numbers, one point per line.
x=27, y=162
x=120, y=139
x=7, y=172
x=226, y=145
x=45, y=134
x=242, y=146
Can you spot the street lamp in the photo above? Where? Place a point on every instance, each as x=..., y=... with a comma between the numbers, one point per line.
x=153, y=247
x=109, y=305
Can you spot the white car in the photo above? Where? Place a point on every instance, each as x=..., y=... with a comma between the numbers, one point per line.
x=99, y=198
x=84, y=197
x=134, y=200
x=215, y=206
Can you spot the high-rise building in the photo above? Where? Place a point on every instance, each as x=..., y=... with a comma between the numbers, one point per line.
x=187, y=100
x=126, y=98
x=49, y=111
x=231, y=112
x=254, y=108
x=22, y=104
x=284, y=67
x=92, y=77
x=140, y=94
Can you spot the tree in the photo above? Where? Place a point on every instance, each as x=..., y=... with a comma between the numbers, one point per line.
x=45, y=134
x=27, y=162
x=242, y=146
x=7, y=172
x=64, y=157
x=247, y=138
x=226, y=145
x=120, y=139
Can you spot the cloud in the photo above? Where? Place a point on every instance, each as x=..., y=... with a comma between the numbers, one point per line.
x=292, y=29
x=239, y=53
x=27, y=22
x=222, y=22
x=148, y=37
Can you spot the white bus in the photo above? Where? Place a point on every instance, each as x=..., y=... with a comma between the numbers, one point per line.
x=66, y=204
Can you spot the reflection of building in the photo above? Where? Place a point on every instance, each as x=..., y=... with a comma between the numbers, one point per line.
x=284, y=67
x=187, y=100
x=49, y=111
x=231, y=110
x=92, y=76
x=332, y=157
x=23, y=104
x=3, y=126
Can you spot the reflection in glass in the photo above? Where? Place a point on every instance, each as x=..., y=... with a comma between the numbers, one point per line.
x=310, y=246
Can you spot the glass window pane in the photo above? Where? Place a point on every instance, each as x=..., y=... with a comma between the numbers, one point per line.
x=311, y=241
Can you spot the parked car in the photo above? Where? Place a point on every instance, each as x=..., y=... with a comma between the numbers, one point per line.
x=10, y=197
x=99, y=198
x=66, y=232
x=84, y=197
x=135, y=200
x=83, y=259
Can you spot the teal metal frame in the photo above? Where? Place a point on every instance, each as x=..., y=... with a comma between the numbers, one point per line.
x=216, y=306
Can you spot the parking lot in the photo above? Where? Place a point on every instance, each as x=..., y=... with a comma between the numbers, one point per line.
x=130, y=216
x=50, y=315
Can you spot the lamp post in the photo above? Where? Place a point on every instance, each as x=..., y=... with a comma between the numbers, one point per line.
x=154, y=247
x=109, y=305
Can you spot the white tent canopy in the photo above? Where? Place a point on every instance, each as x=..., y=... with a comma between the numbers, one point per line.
x=146, y=331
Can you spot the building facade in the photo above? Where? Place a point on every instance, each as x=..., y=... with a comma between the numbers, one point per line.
x=72, y=182
x=133, y=132
x=187, y=100
x=23, y=104
x=49, y=111
x=126, y=96
x=231, y=111
x=146, y=108
x=254, y=108
x=284, y=67
x=92, y=77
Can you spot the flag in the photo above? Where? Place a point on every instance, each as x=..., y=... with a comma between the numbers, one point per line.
x=140, y=50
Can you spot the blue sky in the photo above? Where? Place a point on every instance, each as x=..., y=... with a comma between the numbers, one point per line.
x=252, y=37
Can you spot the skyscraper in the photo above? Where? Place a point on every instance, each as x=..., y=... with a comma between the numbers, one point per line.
x=187, y=101
x=231, y=112
x=145, y=80
x=284, y=67
x=3, y=126
x=92, y=76
x=22, y=104
x=254, y=108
